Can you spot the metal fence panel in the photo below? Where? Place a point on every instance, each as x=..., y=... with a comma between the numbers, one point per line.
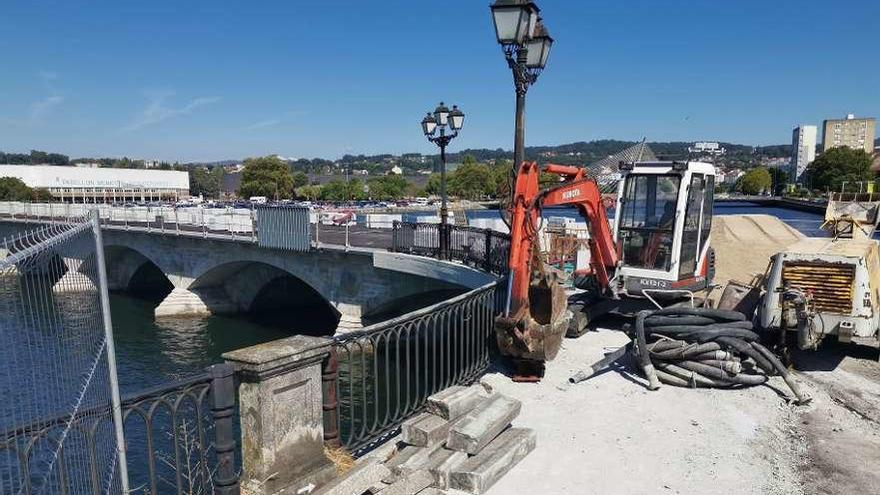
x=284, y=227
x=58, y=373
x=485, y=249
x=385, y=372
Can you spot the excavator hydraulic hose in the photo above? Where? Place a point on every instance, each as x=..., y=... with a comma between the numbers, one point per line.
x=699, y=347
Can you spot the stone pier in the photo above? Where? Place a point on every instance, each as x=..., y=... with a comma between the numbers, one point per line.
x=282, y=424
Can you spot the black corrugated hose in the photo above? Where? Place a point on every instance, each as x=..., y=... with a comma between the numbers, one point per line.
x=700, y=347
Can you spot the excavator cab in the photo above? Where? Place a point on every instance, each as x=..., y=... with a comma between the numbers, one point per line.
x=662, y=226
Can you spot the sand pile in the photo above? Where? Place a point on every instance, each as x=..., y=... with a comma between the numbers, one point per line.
x=744, y=243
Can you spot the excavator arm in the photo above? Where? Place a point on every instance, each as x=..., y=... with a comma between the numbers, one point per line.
x=534, y=322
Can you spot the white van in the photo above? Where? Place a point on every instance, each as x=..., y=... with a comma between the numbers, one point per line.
x=259, y=200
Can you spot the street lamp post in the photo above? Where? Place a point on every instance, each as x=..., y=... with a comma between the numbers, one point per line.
x=526, y=44
x=439, y=120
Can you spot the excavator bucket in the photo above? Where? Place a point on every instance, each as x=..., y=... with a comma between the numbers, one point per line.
x=535, y=332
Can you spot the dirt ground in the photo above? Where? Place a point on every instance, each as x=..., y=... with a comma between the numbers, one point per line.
x=610, y=435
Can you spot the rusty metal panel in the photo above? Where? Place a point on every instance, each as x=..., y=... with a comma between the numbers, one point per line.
x=831, y=285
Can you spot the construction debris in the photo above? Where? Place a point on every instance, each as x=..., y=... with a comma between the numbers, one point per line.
x=465, y=442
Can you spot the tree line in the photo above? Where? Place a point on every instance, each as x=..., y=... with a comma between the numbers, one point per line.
x=271, y=177
x=830, y=171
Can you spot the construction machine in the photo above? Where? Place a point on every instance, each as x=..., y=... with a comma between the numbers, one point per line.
x=828, y=286
x=657, y=253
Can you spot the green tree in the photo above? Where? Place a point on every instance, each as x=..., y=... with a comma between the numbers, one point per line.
x=387, y=187
x=755, y=181
x=266, y=176
x=471, y=180
x=837, y=165
x=433, y=184
x=312, y=193
x=338, y=190
x=780, y=177
x=300, y=179
x=13, y=189
x=207, y=182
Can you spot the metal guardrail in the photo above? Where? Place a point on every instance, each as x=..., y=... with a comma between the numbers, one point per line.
x=179, y=437
x=484, y=249
x=377, y=377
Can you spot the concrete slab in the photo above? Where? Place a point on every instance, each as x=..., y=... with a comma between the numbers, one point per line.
x=442, y=463
x=455, y=401
x=411, y=484
x=480, y=472
x=360, y=479
x=480, y=426
x=424, y=430
x=409, y=460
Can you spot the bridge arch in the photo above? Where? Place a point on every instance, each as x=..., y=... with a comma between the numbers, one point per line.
x=270, y=292
x=129, y=269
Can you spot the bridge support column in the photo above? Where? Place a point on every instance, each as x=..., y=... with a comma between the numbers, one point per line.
x=197, y=302
x=73, y=280
x=349, y=323
x=282, y=420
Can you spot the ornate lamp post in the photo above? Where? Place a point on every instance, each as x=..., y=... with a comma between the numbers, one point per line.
x=441, y=118
x=526, y=44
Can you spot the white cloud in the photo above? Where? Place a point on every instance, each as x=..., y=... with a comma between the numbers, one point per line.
x=41, y=108
x=157, y=109
x=263, y=124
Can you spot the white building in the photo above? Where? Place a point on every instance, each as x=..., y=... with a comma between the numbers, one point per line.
x=102, y=185
x=803, y=150
x=706, y=148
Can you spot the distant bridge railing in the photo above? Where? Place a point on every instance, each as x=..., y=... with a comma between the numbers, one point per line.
x=377, y=377
x=484, y=249
x=285, y=227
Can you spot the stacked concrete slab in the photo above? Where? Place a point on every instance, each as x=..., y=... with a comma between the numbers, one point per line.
x=463, y=442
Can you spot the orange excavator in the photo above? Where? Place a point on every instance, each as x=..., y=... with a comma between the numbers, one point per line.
x=657, y=254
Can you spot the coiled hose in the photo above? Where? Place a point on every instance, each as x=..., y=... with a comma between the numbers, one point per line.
x=700, y=347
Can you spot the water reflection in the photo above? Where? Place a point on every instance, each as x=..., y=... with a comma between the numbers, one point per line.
x=150, y=351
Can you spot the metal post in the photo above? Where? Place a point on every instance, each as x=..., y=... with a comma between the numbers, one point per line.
x=519, y=148
x=253, y=225
x=111, y=350
x=330, y=403
x=222, y=409
x=487, y=252
x=444, y=212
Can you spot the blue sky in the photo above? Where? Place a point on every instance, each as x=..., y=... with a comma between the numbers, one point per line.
x=191, y=80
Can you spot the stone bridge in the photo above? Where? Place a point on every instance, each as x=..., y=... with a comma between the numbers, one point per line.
x=222, y=275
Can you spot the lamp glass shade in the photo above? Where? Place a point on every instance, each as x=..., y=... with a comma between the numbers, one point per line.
x=429, y=125
x=545, y=54
x=456, y=118
x=441, y=115
x=538, y=48
x=511, y=22
x=533, y=23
